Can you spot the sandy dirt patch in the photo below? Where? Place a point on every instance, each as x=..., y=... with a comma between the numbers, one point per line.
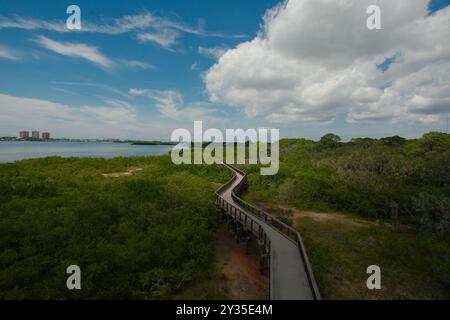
x=128, y=173
x=324, y=217
x=241, y=270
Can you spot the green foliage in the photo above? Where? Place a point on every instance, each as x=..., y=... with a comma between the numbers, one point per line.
x=404, y=181
x=413, y=266
x=432, y=213
x=138, y=237
x=330, y=140
x=394, y=141
x=435, y=141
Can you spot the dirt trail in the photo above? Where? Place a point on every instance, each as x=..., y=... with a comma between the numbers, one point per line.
x=128, y=173
x=325, y=217
x=241, y=270
x=293, y=214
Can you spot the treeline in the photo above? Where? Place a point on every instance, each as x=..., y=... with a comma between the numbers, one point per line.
x=152, y=143
x=392, y=179
x=138, y=237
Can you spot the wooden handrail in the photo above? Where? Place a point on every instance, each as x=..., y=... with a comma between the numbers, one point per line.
x=280, y=226
x=248, y=220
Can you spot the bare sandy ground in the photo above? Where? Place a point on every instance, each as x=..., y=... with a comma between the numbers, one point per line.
x=130, y=172
x=241, y=270
x=325, y=217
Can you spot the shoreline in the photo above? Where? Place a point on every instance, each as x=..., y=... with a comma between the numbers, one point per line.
x=137, y=143
x=11, y=152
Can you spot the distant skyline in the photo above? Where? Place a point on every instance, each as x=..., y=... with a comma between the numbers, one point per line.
x=140, y=69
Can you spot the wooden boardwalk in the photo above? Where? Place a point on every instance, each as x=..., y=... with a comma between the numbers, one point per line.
x=291, y=277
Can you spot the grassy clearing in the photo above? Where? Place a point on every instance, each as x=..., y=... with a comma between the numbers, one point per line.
x=413, y=266
x=396, y=197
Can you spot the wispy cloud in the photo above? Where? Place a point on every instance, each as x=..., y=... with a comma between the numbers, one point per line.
x=76, y=50
x=138, y=64
x=170, y=104
x=37, y=109
x=150, y=27
x=110, y=115
x=194, y=66
x=114, y=120
x=96, y=85
x=213, y=53
x=19, y=22
x=8, y=53
x=165, y=38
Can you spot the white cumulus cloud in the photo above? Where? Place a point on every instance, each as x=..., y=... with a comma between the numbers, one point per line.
x=316, y=59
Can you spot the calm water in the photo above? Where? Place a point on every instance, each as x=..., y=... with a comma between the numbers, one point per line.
x=12, y=151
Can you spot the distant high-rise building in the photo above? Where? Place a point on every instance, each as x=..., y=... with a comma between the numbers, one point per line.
x=24, y=134
x=46, y=135
x=35, y=134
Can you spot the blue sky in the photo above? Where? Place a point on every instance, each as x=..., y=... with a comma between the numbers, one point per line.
x=172, y=69
x=435, y=5
x=114, y=79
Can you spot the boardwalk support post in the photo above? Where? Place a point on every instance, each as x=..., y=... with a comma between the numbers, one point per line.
x=238, y=232
x=247, y=244
x=262, y=263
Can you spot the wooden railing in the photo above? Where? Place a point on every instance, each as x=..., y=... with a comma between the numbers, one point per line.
x=249, y=223
x=283, y=228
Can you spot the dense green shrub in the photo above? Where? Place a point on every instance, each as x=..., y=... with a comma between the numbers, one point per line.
x=391, y=178
x=142, y=236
